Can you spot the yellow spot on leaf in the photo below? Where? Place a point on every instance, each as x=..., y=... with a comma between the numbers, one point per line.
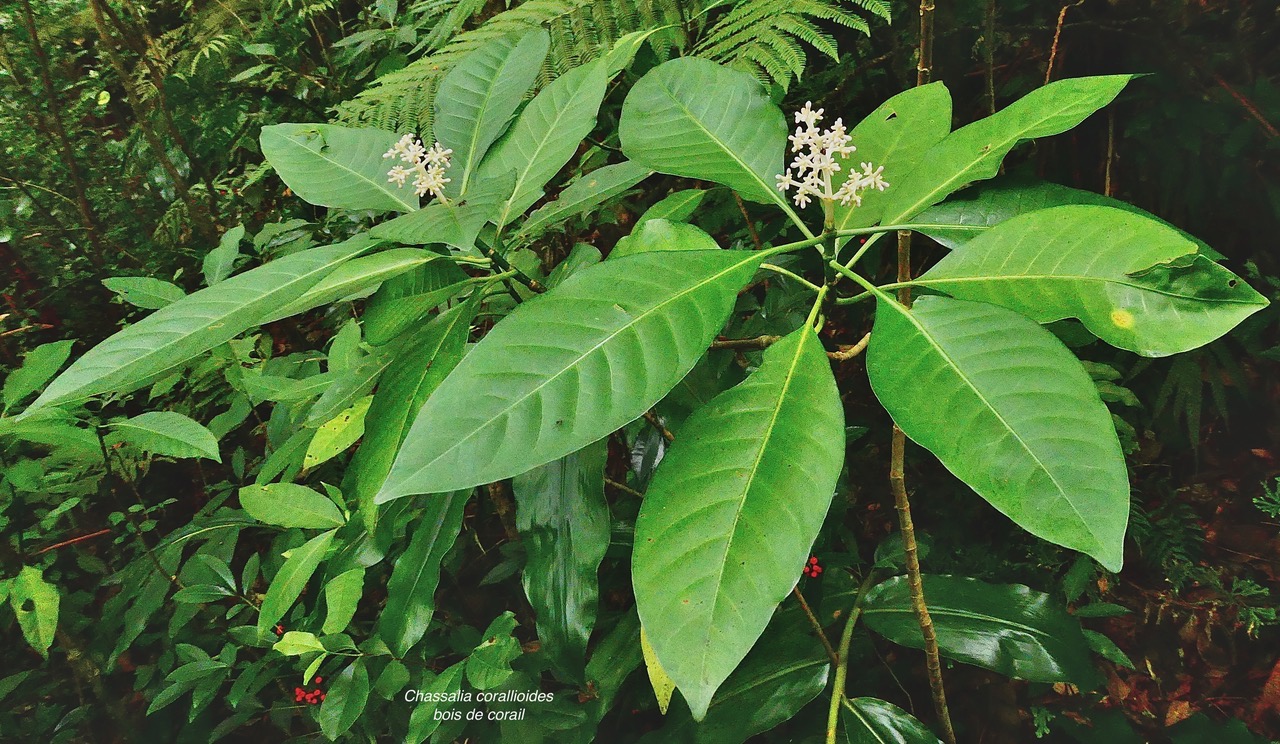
x=1122, y=318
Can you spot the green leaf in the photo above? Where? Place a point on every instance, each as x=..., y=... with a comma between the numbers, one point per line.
x=336, y=435
x=144, y=292
x=478, y=96
x=663, y=235
x=569, y=367
x=736, y=137
x=970, y=212
x=546, y=135
x=403, y=301
x=564, y=524
x=1107, y=649
x=341, y=597
x=345, y=700
x=732, y=511
x=219, y=261
x=419, y=367
x=423, y=721
x=868, y=720
x=1007, y=628
x=1133, y=282
x=353, y=278
x=677, y=207
x=490, y=663
x=195, y=324
x=297, y=643
x=895, y=136
x=455, y=223
x=1024, y=425
x=292, y=578
x=38, y=367
x=167, y=433
x=290, y=505
x=412, y=587
x=662, y=685
x=201, y=594
x=349, y=387
x=581, y=196
x=35, y=601
x=974, y=152
x=332, y=166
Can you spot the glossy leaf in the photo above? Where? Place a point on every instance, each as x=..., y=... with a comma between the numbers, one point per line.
x=402, y=301
x=341, y=597
x=35, y=601
x=974, y=152
x=546, y=135
x=336, y=435
x=291, y=579
x=478, y=96
x=895, y=136
x=354, y=277
x=736, y=137
x=731, y=514
x=1006, y=628
x=1133, y=282
x=197, y=323
x=167, y=433
x=1025, y=427
x=564, y=524
x=219, y=261
x=582, y=195
x=967, y=214
x=290, y=505
x=38, y=367
x=419, y=367
x=345, y=700
x=144, y=291
x=663, y=235
x=569, y=367
x=412, y=587
x=332, y=166
x=866, y=720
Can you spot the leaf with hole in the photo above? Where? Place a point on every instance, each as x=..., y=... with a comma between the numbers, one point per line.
x=731, y=514
x=569, y=367
x=1025, y=426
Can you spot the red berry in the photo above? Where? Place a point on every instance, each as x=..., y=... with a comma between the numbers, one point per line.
x=319, y=680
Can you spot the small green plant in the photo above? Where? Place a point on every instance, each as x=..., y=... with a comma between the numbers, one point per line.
x=1268, y=502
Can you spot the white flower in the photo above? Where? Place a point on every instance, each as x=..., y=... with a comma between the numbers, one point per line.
x=818, y=158
x=427, y=166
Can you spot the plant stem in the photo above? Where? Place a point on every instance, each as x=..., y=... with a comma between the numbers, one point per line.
x=790, y=275
x=817, y=626
x=897, y=483
x=842, y=659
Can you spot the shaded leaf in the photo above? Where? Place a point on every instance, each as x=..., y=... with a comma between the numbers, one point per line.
x=290, y=505
x=867, y=720
x=345, y=700
x=663, y=235
x=582, y=195
x=353, y=278
x=219, y=261
x=167, y=433
x=38, y=367
x=35, y=602
x=403, y=301
x=292, y=578
x=490, y=663
x=332, y=166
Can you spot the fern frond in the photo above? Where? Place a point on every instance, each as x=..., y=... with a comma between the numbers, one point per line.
x=766, y=36
x=581, y=30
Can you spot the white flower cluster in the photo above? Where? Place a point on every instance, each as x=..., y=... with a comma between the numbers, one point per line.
x=810, y=173
x=426, y=166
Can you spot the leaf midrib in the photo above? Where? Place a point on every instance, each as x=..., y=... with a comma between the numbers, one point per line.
x=925, y=281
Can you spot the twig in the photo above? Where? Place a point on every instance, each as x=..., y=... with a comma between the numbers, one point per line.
x=653, y=420
x=755, y=236
x=25, y=328
x=74, y=540
x=1057, y=34
x=759, y=342
x=849, y=352
x=623, y=487
x=1248, y=106
x=817, y=626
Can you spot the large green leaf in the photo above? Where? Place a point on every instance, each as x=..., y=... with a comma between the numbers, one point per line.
x=692, y=117
x=564, y=524
x=290, y=505
x=732, y=513
x=402, y=301
x=1132, y=281
x=411, y=589
x=195, y=324
x=967, y=214
x=582, y=195
x=1021, y=421
x=1006, y=628
x=569, y=367
x=663, y=235
x=868, y=720
x=345, y=700
x=333, y=166
x=546, y=135
x=167, y=433
x=291, y=579
x=418, y=368
x=478, y=96
x=353, y=278
x=456, y=222
x=974, y=152
x=895, y=136
x=38, y=367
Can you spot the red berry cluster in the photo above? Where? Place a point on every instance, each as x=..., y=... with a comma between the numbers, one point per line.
x=312, y=697
x=812, y=569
